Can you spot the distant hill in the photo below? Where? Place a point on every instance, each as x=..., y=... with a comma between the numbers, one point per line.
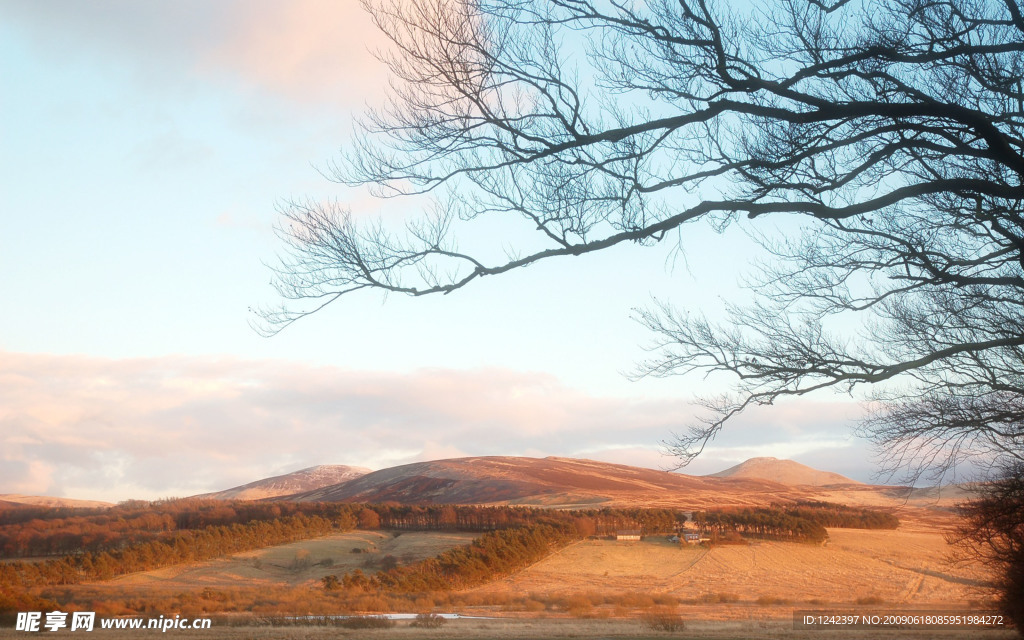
x=553, y=482
x=785, y=472
x=50, y=501
x=296, y=482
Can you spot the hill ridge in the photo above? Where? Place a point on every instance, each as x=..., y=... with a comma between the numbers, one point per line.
x=551, y=481
x=308, y=479
x=783, y=471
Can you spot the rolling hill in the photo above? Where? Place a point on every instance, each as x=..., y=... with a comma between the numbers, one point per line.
x=50, y=501
x=552, y=482
x=786, y=472
x=308, y=479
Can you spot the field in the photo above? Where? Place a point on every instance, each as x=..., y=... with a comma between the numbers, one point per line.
x=597, y=587
x=542, y=629
x=299, y=563
x=906, y=567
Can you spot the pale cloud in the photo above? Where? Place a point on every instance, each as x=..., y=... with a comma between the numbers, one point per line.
x=301, y=50
x=318, y=50
x=815, y=433
x=113, y=429
x=641, y=455
x=100, y=428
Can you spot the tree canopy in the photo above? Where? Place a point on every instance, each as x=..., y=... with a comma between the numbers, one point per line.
x=890, y=132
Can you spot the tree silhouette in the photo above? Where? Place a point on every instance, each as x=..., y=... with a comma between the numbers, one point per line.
x=992, y=529
x=886, y=138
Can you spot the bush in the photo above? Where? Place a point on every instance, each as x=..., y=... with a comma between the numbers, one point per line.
x=377, y=603
x=1011, y=600
x=726, y=538
x=428, y=621
x=367, y=622
x=770, y=600
x=577, y=604
x=871, y=600
x=13, y=603
x=636, y=599
x=663, y=621
x=719, y=597
x=331, y=583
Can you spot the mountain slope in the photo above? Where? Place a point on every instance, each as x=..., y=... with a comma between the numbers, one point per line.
x=553, y=482
x=785, y=472
x=50, y=501
x=296, y=482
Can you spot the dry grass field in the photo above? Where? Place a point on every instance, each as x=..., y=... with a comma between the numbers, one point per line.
x=299, y=563
x=540, y=629
x=596, y=588
x=908, y=568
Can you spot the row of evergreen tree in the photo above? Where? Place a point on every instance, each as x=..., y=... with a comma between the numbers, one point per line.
x=804, y=521
x=761, y=523
x=136, y=523
x=128, y=547
x=840, y=516
x=489, y=557
x=141, y=540
x=184, y=546
x=88, y=530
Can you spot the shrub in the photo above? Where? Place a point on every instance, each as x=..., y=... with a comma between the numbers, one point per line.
x=423, y=603
x=498, y=599
x=636, y=599
x=871, y=600
x=371, y=603
x=331, y=582
x=770, y=600
x=578, y=605
x=719, y=597
x=428, y=621
x=663, y=621
x=726, y=538
x=367, y=622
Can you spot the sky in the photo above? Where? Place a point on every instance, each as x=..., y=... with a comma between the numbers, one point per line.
x=144, y=151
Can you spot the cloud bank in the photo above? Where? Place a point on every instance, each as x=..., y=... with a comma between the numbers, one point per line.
x=96, y=428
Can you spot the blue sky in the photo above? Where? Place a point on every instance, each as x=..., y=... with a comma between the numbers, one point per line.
x=143, y=150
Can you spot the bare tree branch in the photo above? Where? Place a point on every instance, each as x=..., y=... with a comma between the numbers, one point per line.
x=892, y=131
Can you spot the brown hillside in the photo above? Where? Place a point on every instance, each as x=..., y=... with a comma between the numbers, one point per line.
x=553, y=482
x=785, y=472
x=309, y=479
x=50, y=501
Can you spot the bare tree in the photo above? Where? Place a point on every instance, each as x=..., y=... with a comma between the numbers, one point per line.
x=889, y=134
x=992, y=529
